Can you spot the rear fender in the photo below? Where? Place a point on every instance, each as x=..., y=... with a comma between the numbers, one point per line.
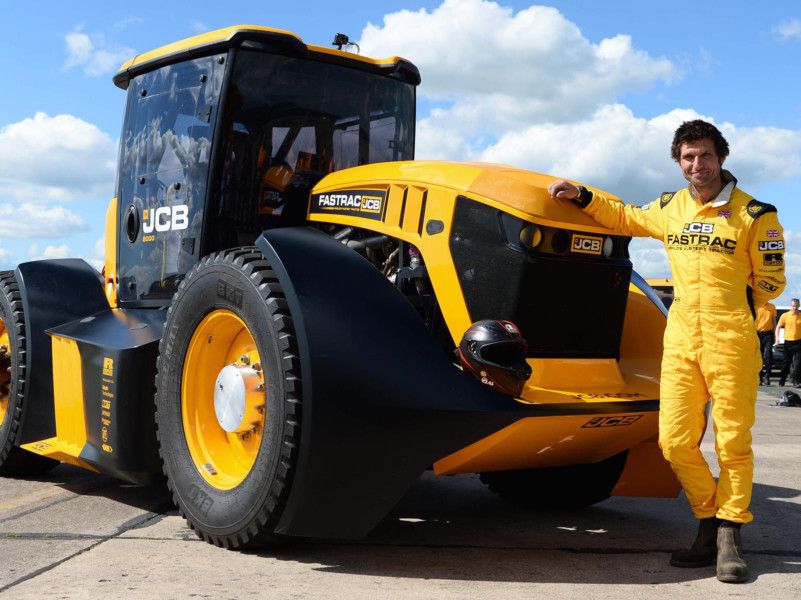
x=53, y=292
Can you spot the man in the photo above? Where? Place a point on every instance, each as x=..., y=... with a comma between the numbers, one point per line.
x=765, y=322
x=726, y=252
x=791, y=323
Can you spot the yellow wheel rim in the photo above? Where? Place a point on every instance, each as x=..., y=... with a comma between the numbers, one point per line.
x=223, y=458
x=5, y=373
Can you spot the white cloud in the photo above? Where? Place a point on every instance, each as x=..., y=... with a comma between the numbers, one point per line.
x=199, y=26
x=125, y=23
x=499, y=68
x=629, y=155
x=29, y=220
x=35, y=253
x=545, y=97
x=649, y=257
x=55, y=158
x=98, y=255
x=96, y=56
x=5, y=253
x=787, y=30
x=792, y=256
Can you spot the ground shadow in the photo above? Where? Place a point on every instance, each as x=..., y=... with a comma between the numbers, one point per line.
x=153, y=498
x=456, y=529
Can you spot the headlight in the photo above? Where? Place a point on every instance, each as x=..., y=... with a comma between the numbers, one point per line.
x=609, y=247
x=530, y=236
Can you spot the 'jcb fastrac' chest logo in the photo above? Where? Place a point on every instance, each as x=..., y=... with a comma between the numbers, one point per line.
x=698, y=228
x=165, y=218
x=585, y=244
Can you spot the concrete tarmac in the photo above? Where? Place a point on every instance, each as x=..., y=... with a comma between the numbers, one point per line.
x=73, y=534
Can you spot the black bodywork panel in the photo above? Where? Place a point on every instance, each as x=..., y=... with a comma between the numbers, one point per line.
x=66, y=298
x=53, y=292
x=381, y=400
x=567, y=303
x=118, y=395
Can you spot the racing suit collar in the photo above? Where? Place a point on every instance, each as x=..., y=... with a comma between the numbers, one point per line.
x=724, y=195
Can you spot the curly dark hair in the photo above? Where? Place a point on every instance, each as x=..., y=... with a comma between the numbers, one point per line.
x=692, y=131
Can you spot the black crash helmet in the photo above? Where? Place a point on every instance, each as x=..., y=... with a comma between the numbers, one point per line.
x=495, y=352
x=789, y=399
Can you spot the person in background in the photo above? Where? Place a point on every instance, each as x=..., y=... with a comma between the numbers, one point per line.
x=791, y=323
x=765, y=324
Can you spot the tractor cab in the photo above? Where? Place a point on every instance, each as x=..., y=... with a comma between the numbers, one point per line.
x=226, y=134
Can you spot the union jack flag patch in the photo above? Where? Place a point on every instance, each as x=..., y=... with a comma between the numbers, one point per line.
x=772, y=233
x=726, y=214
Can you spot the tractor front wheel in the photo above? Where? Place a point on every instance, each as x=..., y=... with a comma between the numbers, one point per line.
x=228, y=399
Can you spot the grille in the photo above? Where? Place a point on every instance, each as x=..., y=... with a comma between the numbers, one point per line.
x=568, y=301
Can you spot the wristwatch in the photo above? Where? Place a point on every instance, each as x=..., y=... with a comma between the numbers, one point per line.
x=584, y=196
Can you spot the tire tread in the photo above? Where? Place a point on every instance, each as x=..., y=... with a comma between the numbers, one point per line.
x=13, y=459
x=260, y=531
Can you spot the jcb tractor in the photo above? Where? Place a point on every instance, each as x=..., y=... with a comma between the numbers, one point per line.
x=284, y=290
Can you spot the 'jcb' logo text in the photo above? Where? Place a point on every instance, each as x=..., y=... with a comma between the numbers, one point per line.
x=586, y=244
x=621, y=421
x=699, y=228
x=768, y=245
x=165, y=218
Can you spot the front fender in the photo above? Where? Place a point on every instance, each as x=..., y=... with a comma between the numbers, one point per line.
x=381, y=400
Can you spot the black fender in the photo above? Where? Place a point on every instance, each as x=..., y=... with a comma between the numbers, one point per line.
x=53, y=292
x=381, y=400
x=130, y=338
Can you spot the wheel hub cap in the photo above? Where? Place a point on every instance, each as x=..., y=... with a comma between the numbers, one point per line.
x=236, y=398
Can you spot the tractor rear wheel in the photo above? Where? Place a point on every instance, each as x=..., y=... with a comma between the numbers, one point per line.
x=572, y=486
x=13, y=383
x=228, y=399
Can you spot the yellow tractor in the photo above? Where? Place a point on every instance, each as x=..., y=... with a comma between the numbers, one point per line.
x=283, y=292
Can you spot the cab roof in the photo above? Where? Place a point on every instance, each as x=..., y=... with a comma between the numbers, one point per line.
x=278, y=40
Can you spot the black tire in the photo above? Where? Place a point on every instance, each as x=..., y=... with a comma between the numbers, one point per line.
x=239, y=281
x=572, y=486
x=13, y=385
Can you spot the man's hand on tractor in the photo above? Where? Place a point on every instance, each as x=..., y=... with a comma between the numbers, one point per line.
x=563, y=189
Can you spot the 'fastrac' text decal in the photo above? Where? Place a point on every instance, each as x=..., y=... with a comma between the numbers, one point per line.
x=368, y=204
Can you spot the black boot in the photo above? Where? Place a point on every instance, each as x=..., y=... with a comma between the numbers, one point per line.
x=702, y=552
x=731, y=564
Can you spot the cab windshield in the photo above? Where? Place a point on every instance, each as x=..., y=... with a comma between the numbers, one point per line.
x=288, y=122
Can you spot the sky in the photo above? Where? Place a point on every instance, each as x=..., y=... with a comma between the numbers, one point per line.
x=587, y=90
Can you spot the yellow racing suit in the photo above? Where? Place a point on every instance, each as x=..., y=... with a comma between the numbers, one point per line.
x=727, y=256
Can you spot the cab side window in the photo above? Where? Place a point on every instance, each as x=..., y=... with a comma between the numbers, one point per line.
x=165, y=152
